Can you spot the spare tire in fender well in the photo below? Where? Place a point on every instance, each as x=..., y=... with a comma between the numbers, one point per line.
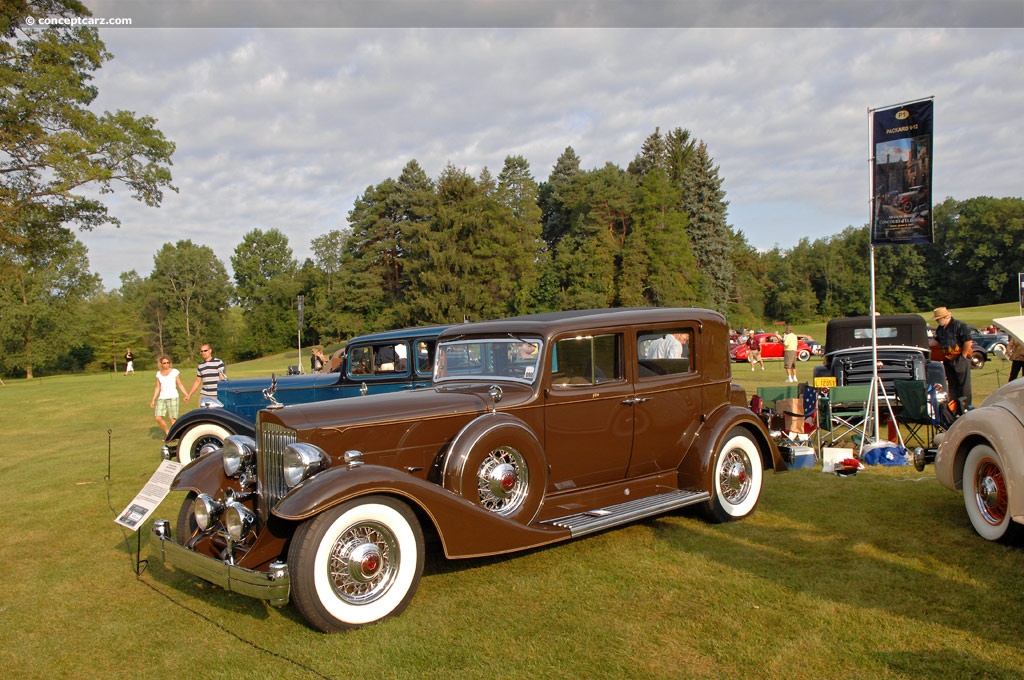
x=497, y=462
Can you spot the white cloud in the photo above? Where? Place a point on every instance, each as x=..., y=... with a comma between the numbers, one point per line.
x=284, y=128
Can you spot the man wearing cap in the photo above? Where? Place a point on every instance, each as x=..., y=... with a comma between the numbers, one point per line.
x=954, y=339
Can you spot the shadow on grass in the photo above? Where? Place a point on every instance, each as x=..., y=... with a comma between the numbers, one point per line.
x=877, y=541
x=929, y=663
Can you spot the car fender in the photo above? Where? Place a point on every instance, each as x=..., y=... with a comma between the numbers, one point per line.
x=992, y=425
x=698, y=465
x=453, y=466
x=202, y=475
x=465, y=529
x=232, y=422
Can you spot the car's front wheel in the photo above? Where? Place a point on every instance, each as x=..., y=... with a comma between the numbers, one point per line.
x=356, y=563
x=978, y=358
x=187, y=527
x=987, y=495
x=738, y=478
x=803, y=355
x=200, y=439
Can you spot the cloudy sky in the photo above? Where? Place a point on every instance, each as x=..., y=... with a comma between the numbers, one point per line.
x=282, y=120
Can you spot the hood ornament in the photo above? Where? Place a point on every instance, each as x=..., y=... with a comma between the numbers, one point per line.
x=269, y=392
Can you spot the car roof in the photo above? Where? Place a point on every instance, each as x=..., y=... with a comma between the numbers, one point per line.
x=399, y=334
x=911, y=331
x=550, y=323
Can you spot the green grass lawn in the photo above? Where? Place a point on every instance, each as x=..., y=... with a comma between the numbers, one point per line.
x=875, y=576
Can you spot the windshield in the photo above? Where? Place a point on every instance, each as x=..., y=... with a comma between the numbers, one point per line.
x=488, y=359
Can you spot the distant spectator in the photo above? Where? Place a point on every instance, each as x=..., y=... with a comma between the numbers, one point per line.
x=317, y=360
x=789, y=346
x=754, y=352
x=208, y=373
x=165, y=396
x=129, y=362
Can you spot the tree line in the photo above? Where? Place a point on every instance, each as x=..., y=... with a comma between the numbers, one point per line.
x=415, y=250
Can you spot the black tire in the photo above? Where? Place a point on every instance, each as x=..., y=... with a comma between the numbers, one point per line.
x=803, y=355
x=503, y=472
x=737, y=480
x=199, y=437
x=186, y=527
x=987, y=495
x=356, y=564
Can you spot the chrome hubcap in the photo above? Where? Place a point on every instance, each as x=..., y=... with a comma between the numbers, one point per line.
x=990, y=493
x=734, y=478
x=363, y=562
x=503, y=480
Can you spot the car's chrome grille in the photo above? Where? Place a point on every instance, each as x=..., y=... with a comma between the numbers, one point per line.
x=272, y=440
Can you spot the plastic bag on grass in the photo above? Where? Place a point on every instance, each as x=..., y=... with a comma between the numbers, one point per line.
x=884, y=453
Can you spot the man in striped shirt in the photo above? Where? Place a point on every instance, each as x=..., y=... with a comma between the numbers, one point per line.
x=208, y=373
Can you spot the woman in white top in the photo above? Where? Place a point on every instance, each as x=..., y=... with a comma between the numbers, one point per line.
x=165, y=396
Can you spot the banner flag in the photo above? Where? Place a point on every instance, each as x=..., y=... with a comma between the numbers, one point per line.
x=901, y=167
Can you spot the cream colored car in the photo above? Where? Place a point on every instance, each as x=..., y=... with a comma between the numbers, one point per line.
x=981, y=456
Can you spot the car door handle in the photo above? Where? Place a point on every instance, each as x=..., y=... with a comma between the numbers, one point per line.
x=635, y=400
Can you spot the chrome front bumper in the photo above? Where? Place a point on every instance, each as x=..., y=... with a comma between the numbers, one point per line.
x=272, y=586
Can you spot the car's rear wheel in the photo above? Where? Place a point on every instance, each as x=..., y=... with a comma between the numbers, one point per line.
x=199, y=440
x=738, y=478
x=356, y=563
x=987, y=495
x=803, y=355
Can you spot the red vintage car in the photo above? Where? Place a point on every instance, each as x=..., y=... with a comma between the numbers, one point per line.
x=771, y=348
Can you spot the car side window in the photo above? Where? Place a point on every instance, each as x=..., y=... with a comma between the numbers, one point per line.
x=425, y=356
x=383, y=359
x=587, y=360
x=664, y=351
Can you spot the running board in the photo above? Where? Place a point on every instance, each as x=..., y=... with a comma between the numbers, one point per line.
x=590, y=521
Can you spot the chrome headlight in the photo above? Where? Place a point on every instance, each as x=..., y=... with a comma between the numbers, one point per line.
x=238, y=519
x=238, y=453
x=207, y=509
x=302, y=461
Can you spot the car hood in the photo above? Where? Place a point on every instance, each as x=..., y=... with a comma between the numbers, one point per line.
x=284, y=382
x=1013, y=325
x=411, y=405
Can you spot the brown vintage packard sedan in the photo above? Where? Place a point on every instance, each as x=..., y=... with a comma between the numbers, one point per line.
x=535, y=430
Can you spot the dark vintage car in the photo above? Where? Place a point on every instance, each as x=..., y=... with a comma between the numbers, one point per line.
x=370, y=364
x=903, y=352
x=987, y=344
x=535, y=430
x=980, y=456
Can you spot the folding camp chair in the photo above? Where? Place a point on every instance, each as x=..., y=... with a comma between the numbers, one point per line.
x=914, y=412
x=842, y=412
x=786, y=414
x=770, y=395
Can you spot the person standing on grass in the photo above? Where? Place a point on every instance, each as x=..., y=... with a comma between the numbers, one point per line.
x=754, y=351
x=129, y=362
x=953, y=337
x=165, y=396
x=1015, y=353
x=208, y=373
x=789, y=347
